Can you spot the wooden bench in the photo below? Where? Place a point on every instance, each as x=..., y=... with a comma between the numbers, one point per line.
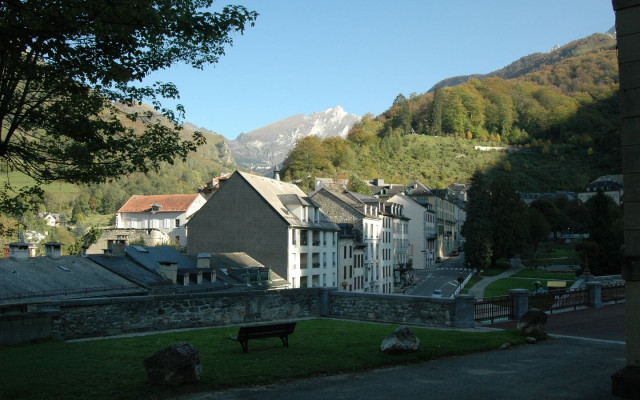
x=247, y=333
x=554, y=285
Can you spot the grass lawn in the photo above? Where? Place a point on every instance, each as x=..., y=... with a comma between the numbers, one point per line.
x=474, y=279
x=541, y=274
x=112, y=368
x=99, y=220
x=554, y=256
x=501, y=287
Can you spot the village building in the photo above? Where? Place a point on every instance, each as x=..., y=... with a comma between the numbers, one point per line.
x=168, y=214
x=272, y=221
x=422, y=230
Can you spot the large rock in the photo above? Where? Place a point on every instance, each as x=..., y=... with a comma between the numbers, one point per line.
x=533, y=323
x=402, y=340
x=175, y=365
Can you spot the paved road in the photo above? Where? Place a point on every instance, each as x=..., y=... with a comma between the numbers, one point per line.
x=442, y=276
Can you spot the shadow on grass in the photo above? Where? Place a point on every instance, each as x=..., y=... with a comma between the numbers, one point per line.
x=112, y=368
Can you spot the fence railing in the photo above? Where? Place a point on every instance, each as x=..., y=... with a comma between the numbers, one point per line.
x=555, y=300
x=491, y=308
x=612, y=293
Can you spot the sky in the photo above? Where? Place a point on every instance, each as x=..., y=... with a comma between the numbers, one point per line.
x=305, y=56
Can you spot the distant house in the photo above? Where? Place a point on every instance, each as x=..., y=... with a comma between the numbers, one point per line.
x=273, y=222
x=51, y=219
x=610, y=185
x=166, y=213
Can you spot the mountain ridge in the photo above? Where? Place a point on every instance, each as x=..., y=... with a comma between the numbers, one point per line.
x=268, y=146
x=535, y=61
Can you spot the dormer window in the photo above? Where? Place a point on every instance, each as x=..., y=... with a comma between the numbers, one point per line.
x=155, y=208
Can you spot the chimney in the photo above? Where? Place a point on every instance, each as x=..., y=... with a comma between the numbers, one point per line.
x=19, y=250
x=169, y=269
x=53, y=250
x=276, y=173
x=116, y=247
x=204, y=260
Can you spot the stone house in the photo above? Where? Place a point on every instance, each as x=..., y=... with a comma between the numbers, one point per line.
x=167, y=214
x=272, y=221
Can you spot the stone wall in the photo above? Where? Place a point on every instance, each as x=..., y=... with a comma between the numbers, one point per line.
x=73, y=319
x=107, y=317
x=414, y=310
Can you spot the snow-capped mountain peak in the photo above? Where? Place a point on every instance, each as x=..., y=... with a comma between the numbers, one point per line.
x=268, y=146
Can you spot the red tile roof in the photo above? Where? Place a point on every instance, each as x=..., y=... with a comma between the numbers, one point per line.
x=169, y=203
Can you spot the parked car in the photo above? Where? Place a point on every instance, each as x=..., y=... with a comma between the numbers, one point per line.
x=437, y=293
x=454, y=253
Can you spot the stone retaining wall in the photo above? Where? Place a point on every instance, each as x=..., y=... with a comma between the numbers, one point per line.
x=73, y=319
x=412, y=310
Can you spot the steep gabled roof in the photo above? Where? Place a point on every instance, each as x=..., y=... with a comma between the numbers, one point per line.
x=168, y=203
x=279, y=194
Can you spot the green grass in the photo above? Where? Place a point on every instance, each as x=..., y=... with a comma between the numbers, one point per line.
x=474, y=279
x=19, y=180
x=99, y=220
x=501, y=287
x=542, y=274
x=554, y=255
x=112, y=368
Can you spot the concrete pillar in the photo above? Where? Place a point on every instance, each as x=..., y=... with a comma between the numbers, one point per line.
x=464, y=311
x=595, y=294
x=325, y=303
x=626, y=382
x=520, y=300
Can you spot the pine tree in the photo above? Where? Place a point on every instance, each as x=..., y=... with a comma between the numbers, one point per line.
x=477, y=226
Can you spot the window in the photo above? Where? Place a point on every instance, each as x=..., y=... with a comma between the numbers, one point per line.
x=294, y=233
x=177, y=222
x=303, y=281
x=166, y=223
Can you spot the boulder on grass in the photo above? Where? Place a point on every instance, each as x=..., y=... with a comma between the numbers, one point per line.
x=533, y=323
x=175, y=365
x=402, y=340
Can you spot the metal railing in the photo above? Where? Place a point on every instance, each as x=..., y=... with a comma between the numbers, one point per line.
x=555, y=300
x=491, y=308
x=613, y=293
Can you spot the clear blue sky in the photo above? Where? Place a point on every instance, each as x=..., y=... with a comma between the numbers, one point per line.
x=304, y=56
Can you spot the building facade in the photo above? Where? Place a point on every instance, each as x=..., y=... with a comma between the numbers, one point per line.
x=273, y=222
x=166, y=213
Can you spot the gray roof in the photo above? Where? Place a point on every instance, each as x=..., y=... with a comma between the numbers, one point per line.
x=274, y=192
x=126, y=267
x=151, y=256
x=66, y=277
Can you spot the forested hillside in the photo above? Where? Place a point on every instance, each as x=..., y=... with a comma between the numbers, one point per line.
x=562, y=120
